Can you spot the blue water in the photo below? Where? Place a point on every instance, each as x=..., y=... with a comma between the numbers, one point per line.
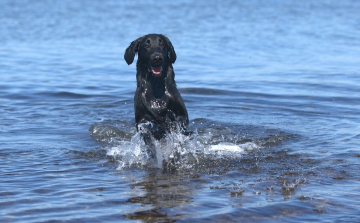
x=272, y=91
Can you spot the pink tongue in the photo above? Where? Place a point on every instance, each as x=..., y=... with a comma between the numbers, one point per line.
x=156, y=70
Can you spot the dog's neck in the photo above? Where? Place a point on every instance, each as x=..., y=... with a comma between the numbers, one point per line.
x=158, y=87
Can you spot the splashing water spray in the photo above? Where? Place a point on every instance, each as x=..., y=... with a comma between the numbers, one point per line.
x=174, y=150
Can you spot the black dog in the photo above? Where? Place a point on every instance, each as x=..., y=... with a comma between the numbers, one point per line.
x=158, y=104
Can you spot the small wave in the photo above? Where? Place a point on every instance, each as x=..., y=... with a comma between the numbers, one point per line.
x=70, y=95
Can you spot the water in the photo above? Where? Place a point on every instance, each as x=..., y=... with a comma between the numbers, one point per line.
x=271, y=87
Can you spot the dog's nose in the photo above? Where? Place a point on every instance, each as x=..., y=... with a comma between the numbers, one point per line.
x=157, y=59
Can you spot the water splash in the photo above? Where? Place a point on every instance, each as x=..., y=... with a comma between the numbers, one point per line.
x=175, y=149
x=212, y=145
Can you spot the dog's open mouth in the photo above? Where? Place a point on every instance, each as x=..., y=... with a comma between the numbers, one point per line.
x=156, y=70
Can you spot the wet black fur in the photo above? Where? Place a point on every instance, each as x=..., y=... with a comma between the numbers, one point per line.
x=157, y=100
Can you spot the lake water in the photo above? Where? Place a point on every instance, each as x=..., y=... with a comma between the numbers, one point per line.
x=272, y=90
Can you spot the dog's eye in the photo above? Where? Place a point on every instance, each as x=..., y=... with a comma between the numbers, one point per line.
x=162, y=45
x=146, y=46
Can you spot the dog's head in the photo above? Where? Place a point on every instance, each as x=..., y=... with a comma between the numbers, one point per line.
x=155, y=51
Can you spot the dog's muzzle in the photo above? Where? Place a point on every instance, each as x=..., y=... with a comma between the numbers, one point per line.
x=156, y=66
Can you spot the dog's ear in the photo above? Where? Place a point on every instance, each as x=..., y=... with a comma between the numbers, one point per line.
x=132, y=49
x=172, y=54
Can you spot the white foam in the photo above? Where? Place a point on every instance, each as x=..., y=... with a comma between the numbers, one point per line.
x=232, y=149
x=226, y=147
